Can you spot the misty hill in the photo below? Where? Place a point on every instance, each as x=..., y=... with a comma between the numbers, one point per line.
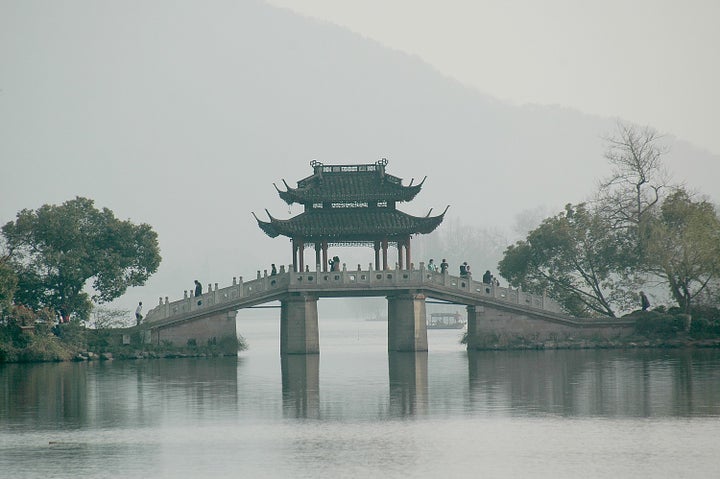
x=183, y=115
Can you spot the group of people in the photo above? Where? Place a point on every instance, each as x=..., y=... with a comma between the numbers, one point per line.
x=488, y=278
x=334, y=263
x=434, y=267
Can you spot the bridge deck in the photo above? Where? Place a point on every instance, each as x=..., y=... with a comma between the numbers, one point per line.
x=444, y=287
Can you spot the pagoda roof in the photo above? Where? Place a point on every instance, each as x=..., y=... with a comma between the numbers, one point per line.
x=352, y=224
x=346, y=183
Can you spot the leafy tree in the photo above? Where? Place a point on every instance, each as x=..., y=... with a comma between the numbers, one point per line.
x=682, y=245
x=573, y=257
x=8, y=284
x=56, y=249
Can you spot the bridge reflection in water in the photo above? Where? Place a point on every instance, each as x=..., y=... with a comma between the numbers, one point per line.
x=408, y=384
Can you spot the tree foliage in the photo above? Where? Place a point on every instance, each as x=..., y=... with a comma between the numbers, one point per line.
x=8, y=283
x=640, y=228
x=56, y=249
x=682, y=246
x=573, y=257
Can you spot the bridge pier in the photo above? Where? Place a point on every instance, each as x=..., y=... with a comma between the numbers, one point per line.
x=407, y=329
x=474, y=316
x=299, y=325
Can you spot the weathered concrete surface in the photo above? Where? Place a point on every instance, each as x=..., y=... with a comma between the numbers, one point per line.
x=494, y=327
x=407, y=328
x=203, y=331
x=299, y=325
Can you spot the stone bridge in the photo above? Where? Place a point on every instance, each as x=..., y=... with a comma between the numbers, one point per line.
x=493, y=312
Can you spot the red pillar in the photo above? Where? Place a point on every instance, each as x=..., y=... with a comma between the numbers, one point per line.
x=301, y=253
x=317, y=255
x=377, y=255
x=400, y=253
x=324, y=256
x=384, y=253
x=407, y=253
x=294, y=255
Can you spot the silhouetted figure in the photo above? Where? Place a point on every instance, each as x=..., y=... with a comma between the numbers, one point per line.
x=138, y=313
x=487, y=277
x=463, y=270
x=444, y=266
x=273, y=270
x=334, y=263
x=198, y=288
x=644, y=301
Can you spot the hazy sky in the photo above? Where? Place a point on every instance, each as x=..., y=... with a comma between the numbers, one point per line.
x=654, y=62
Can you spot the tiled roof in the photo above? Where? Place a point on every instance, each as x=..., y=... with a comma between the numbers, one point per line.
x=352, y=224
x=351, y=186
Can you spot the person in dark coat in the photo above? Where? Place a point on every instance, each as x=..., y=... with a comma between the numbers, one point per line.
x=198, y=288
x=463, y=270
x=487, y=277
x=444, y=266
x=644, y=301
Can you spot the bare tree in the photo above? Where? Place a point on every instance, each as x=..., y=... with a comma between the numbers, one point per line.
x=638, y=178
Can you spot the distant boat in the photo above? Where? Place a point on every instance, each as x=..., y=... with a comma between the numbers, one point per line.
x=445, y=321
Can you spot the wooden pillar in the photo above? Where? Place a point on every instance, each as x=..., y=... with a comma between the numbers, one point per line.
x=384, y=253
x=325, y=256
x=407, y=329
x=400, y=253
x=377, y=255
x=317, y=255
x=301, y=254
x=294, y=255
x=407, y=253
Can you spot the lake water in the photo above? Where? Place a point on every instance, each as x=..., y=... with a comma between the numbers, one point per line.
x=357, y=411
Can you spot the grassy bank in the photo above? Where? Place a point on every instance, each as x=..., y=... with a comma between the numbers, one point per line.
x=43, y=341
x=659, y=328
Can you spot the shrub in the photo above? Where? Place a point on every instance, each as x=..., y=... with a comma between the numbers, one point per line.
x=658, y=324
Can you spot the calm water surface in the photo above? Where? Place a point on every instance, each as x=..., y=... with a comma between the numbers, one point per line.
x=357, y=411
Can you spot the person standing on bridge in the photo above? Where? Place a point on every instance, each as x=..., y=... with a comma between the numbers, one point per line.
x=198, y=288
x=463, y=270
x=273, y=270
x=431, y=265
x=444, y=266
x=138, y=313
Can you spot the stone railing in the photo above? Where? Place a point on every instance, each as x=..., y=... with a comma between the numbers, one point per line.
x=242, y=292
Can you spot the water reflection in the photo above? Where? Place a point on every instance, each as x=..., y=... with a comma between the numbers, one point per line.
x=301, y=385
x=408, y=374
x=634, y=383
x=129, y=393
x=50, y=393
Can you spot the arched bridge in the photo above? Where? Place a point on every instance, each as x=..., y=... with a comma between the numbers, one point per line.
x=212, y=314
